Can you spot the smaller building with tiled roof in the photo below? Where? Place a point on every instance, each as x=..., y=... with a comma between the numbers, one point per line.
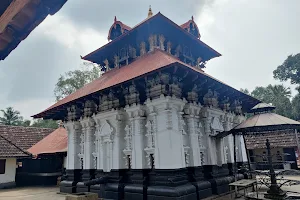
x=55, y=142
x=14, y=142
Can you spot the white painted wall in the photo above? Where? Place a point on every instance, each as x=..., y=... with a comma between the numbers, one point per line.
x=10, y=171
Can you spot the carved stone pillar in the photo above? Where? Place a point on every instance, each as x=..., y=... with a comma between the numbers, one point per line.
x=194, y=132
x=110, y=140
x=73, y=168
x=137, y=123
x=74, y=131
x=88, y=136
x=167, y=131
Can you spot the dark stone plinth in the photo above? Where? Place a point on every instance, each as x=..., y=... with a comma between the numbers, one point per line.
x=170, y=184
x=117, y=179
x=219, y=178
x=86, y=175
x=72, y=177
x=196, y=177
x=98, y=188
x=138, y=183
x=7, y=185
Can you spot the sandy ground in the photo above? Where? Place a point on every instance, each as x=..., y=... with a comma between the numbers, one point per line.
x=31, y=193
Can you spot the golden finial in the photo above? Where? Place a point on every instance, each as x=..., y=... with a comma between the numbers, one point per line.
x=150, y=12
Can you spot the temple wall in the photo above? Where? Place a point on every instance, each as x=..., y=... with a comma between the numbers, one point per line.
x=164, y=133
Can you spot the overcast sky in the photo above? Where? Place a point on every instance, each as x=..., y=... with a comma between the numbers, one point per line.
x=253, y=36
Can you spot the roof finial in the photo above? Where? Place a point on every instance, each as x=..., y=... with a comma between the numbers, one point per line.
x=150, y=12
x=115, y=19
x=192, y=18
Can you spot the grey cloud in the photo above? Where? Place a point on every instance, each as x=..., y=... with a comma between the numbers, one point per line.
x=32, y=69
x=100, y=14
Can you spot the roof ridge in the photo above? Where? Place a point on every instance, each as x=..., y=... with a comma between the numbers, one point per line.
x=33, y=127
x=10, y=142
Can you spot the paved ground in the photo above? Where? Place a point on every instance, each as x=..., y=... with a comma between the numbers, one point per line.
x=51, y=193
x=31, y=193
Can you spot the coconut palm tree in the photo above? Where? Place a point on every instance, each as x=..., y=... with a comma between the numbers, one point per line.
x=10, y=117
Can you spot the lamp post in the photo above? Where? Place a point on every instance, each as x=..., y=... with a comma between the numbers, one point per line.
x=274, y=191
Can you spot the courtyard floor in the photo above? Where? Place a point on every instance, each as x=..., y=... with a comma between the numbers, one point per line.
x=31, y=193
x=51, y=193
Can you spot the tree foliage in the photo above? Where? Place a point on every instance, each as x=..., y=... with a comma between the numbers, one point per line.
x=10, y=117
x=289, y=70
x=74, y=80
x=278, y=96
x=296, y=107
x=48, y=123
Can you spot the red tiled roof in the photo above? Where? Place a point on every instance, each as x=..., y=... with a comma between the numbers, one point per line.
x=150, y=62
x=187, y=25
x=8, y=149
x=123, y=26
x=24, y=137
x=55, y=142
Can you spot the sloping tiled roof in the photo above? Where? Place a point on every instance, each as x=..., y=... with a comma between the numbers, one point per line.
x=145, y=64
x=55, y=142
x=24, y=137
x=8, y=149
x=265, y=120
x=277, y=139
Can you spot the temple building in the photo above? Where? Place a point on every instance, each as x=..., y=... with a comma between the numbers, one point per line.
x=146, y=128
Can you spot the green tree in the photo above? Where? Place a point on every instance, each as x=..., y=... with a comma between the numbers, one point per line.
x=289, y=70
x=48, y=123
x=246, y=91
x=277, y=95
x=10, y=117
x=26, y=122
x=296, y=107
x=73, y=80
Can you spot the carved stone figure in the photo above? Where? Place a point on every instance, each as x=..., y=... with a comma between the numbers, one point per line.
x=73, y=113
x=151, y=42
x=237, y=107
x=132, y=52
x=116, y=61
x=198, y=62
x=142, y=48
x=178, y=51
x=193, y=94
x=106, y=65
x=169, y=47
x=225, y=104
x=161, y=42
x=89, y=108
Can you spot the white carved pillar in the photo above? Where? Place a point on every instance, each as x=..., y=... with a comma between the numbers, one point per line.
x=169, y=147
x=74, y=130
x=213, y=125
x=195, y=133
x=241, y=155
x=88, y=128
x=137, y=125
x=110, y=140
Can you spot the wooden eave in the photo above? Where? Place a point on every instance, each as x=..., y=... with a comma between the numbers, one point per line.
x=20, y=18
